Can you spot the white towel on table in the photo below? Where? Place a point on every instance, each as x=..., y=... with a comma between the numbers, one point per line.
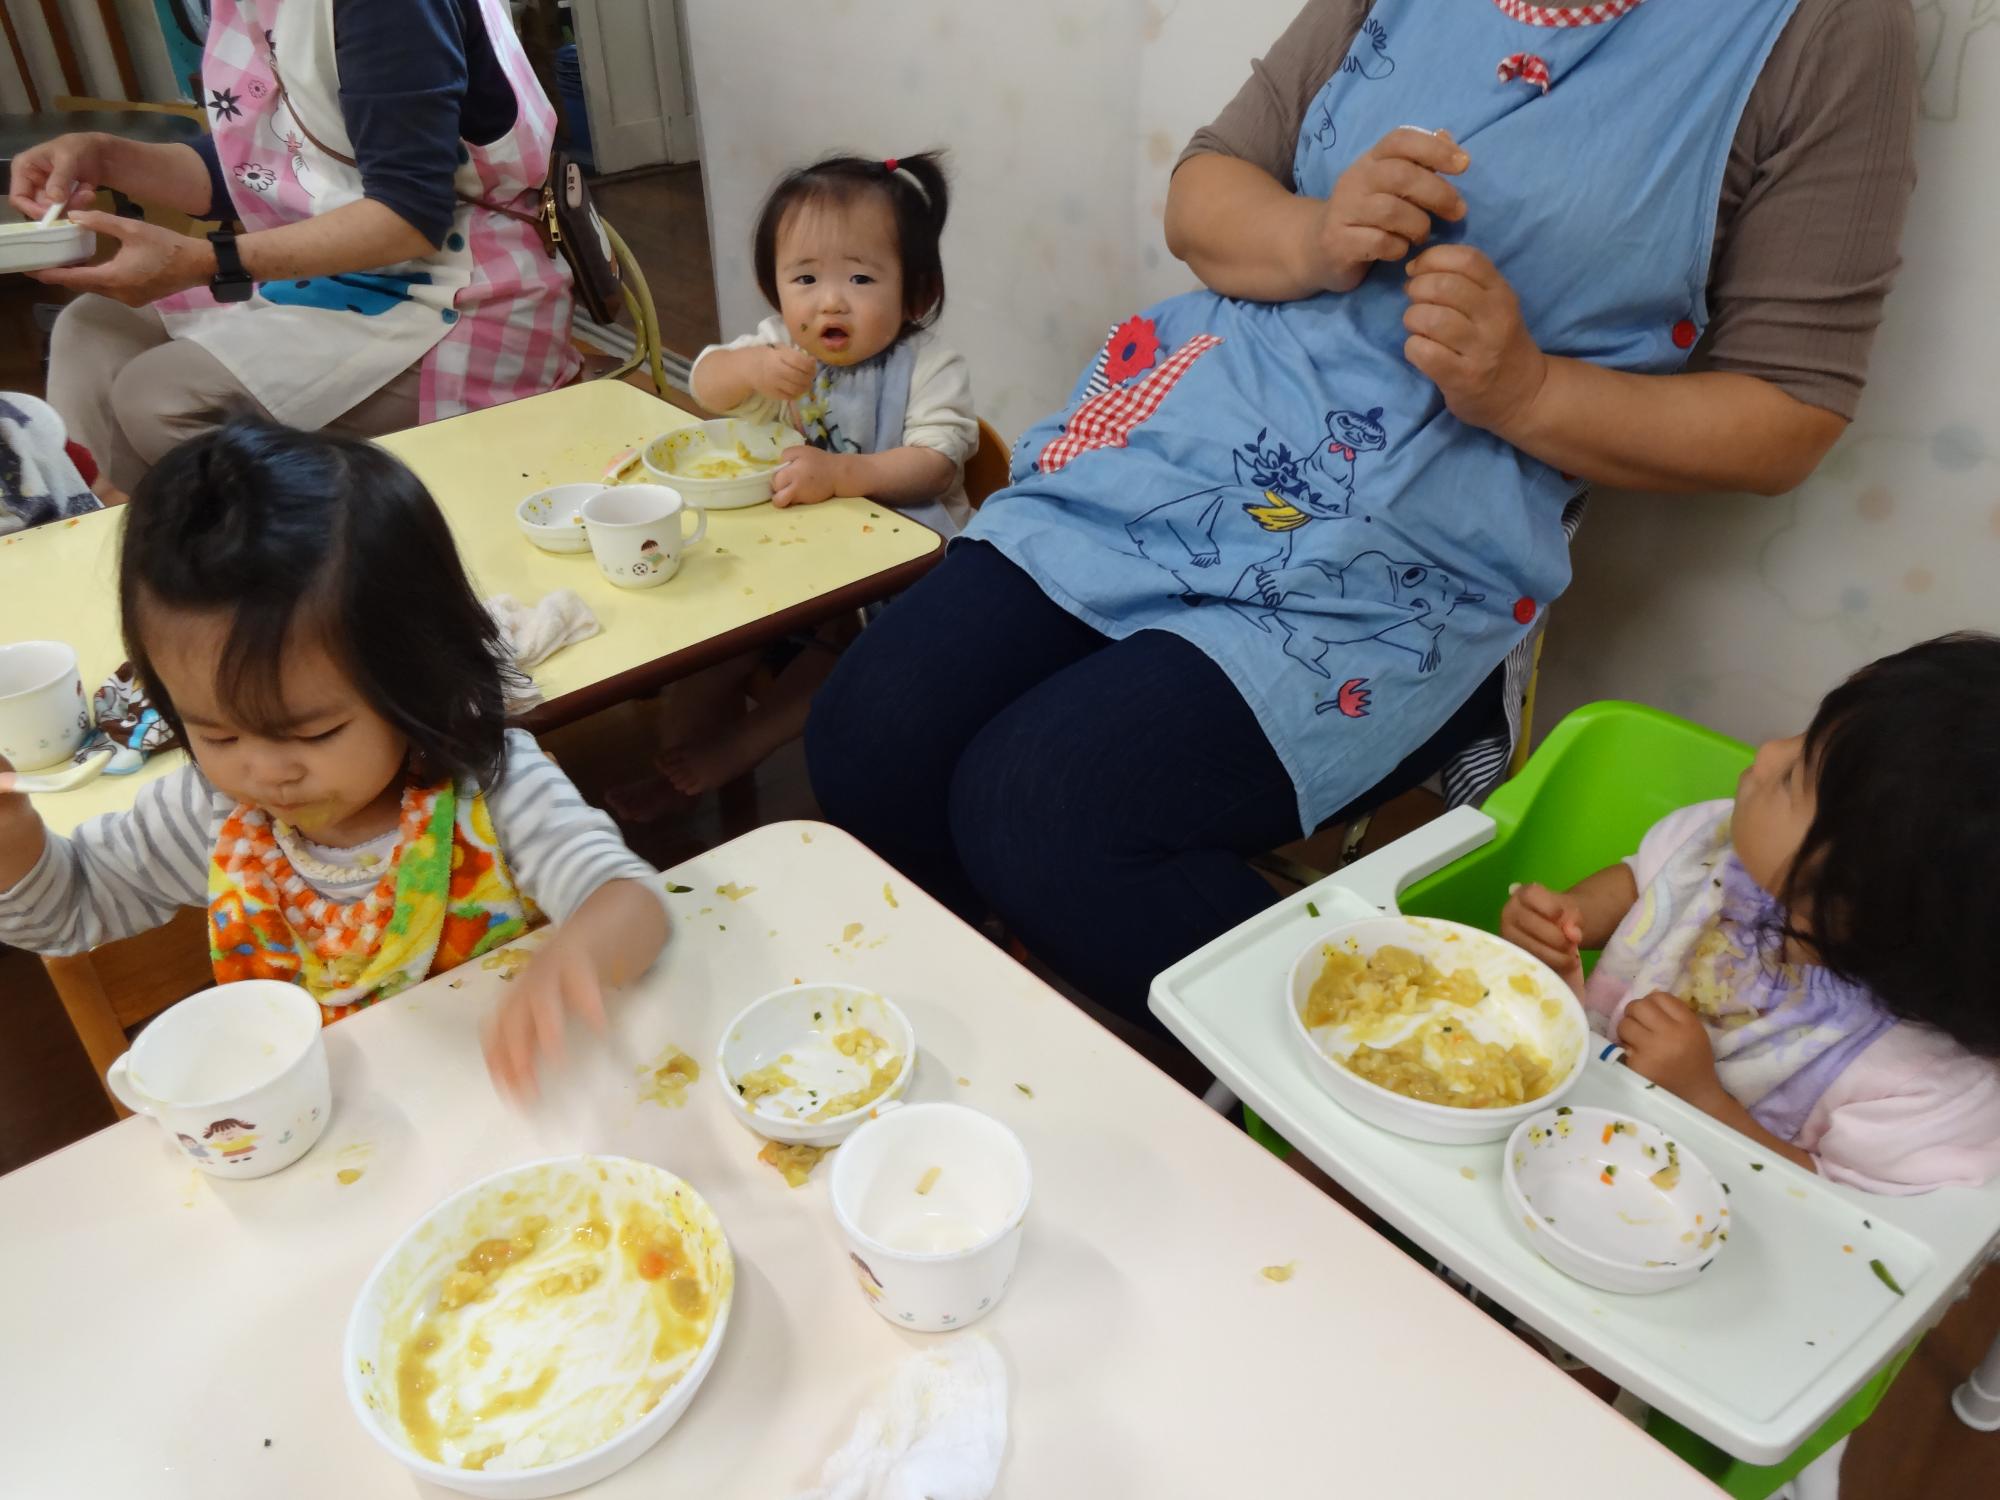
x=937, y=1432
x=533, y=635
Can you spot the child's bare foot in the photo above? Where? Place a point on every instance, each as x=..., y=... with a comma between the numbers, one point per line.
x=709, y=765
x=648, y=800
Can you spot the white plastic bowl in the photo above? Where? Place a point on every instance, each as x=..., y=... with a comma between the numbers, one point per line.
x=553, y=518
x=669, y=458
x=410, y=1268
x=800, y=1023
x=1581, y=1194
x=1449, y=945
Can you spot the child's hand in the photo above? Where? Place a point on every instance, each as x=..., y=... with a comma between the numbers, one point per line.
x=1665, y=1041
x=783, y=373
x=561, y=978
x=806, y=477
x=1548, y=925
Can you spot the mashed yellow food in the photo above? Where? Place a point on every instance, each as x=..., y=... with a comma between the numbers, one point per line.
x=710, y=463
x=859, y=1044
x=1441, y=1061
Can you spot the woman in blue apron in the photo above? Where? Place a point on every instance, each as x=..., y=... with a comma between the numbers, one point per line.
x=1261, y=572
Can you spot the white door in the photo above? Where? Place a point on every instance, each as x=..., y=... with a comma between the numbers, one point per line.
x=635, y=82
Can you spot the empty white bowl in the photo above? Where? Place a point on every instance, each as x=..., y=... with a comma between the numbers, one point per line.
x=688, y=457
x=794, y=1031
x=579, y=1347
x=1613, y=1201
x=553, y=518
x=1559, y=1032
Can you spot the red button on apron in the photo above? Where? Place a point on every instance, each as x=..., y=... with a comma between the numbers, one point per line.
x=1524, y=611
x=1684, y=334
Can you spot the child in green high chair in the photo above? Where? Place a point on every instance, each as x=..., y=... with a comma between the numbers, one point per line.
x=1814, y=963
x=357, y=816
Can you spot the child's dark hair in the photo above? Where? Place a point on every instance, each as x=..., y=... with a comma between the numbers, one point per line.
x=307, y=537
x=917, y=192
x=1896, y=880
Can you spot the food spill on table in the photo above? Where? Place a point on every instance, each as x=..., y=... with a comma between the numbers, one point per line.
x=1470, y=1174
x=555, y=1318
x=850, y=932
x=678, y=890
x=1882, y=1275
x=667, y=1078
x=1280, y=1273
x=734, y=891
x=1442, y=1060
x=1030, y=1093
x=889, y=895
x=508, y=962
x=794, y=1163
x=348, y=1176
x=964, y=1082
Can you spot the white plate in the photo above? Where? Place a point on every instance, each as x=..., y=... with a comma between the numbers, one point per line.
x=401, y=1294
x=30, y=247
x=1613, y=1201
x=670, y=458
x=794, y=1030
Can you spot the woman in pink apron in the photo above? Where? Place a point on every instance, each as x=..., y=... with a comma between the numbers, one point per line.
x=384, y=158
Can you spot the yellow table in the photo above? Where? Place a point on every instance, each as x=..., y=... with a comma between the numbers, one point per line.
x=759, y=575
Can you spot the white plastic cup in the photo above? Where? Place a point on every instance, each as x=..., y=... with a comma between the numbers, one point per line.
x=44, y=717
x=931, y=1199
x=235, y=1075
x=636, y=534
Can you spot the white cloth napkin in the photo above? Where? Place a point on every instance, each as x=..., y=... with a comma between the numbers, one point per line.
x=937, y=1432
x=533, y=635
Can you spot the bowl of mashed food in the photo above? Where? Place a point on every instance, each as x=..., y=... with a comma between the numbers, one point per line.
x=542, y=1328
x=725, y=464
x=1434, y=1030
x=807, y=1066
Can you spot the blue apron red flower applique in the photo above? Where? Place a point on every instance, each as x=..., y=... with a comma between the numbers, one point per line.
x=1524, y=611
x=1527, y=67
x=1134, y=346
x=1352, y=699
x=1685, y=333
x=1108, y=420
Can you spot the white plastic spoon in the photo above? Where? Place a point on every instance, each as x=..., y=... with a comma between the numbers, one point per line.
x=66, y=780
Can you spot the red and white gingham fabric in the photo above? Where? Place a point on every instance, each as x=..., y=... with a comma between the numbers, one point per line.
x=1566, y=15
x=512, y=337
x=1527, y=67
x=1106, y=421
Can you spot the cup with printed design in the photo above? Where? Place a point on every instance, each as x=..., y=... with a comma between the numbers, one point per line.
x=44, y=715
x=235, y=1075
x=638, y=531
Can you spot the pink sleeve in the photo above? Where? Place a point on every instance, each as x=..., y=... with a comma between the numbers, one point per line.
x=1913, y=1112
x=1665, y=838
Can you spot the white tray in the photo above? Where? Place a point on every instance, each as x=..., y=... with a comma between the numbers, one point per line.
x=30, y=247
x=1755, y=1354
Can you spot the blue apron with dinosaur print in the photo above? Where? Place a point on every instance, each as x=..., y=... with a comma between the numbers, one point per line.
x=1276, y=484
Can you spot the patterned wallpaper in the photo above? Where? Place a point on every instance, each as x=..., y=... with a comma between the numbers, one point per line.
x=1064, y=123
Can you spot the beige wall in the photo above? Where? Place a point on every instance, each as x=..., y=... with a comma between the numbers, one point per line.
x=1065, y=120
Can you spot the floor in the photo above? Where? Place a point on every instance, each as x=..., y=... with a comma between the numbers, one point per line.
x=1914, y=1447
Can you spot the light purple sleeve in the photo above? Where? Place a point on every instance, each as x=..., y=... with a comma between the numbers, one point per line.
x=1912, y=1113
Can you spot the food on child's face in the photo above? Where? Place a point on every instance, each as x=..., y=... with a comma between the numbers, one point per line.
x=1441, y=1060
x=553, y=1331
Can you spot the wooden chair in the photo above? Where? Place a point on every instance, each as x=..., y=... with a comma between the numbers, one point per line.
x=111, y=989
x=988, y=468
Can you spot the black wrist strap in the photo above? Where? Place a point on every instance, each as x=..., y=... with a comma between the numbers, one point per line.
x=228, y=260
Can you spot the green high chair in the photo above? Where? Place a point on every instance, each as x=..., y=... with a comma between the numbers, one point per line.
x=1585, y=798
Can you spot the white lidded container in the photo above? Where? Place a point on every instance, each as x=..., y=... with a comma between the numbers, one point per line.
x=30, y=246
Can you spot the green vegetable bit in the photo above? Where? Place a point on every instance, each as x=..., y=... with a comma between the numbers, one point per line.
x=1882, y=1275
x=678, y=890
x=1311, y=909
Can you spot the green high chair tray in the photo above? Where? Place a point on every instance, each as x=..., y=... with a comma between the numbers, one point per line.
x=1787, y=1342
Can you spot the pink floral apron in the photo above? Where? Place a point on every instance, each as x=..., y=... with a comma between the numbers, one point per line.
x=488, y=314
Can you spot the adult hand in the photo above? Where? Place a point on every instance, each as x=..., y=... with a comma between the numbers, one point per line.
x=1546, y=924
x=1665, y=1041
x=560, y=980
x=1466, y=334
x=1382, y=206
x=151, y=262
x=67, y=170
x=783, y=373
x=806, y=477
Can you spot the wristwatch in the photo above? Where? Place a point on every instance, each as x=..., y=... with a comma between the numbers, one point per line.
x=231, y=283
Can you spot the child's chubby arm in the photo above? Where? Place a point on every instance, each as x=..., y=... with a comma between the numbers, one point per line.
x=1666, y=1042
x=900, y=476
x=611, y=939
x=726, y=379
x=1556, y=926
x=122, y=873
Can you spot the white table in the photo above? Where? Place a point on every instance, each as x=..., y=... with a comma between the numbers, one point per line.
x=157, y=1327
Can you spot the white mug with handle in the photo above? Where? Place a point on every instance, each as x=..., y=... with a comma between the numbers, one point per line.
x=235, y=1075
x=636, y=533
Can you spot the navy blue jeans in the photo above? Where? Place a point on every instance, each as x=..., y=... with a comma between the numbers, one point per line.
x=1100, y=796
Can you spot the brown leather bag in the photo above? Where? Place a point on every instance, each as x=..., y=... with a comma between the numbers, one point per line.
x=568, y=224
